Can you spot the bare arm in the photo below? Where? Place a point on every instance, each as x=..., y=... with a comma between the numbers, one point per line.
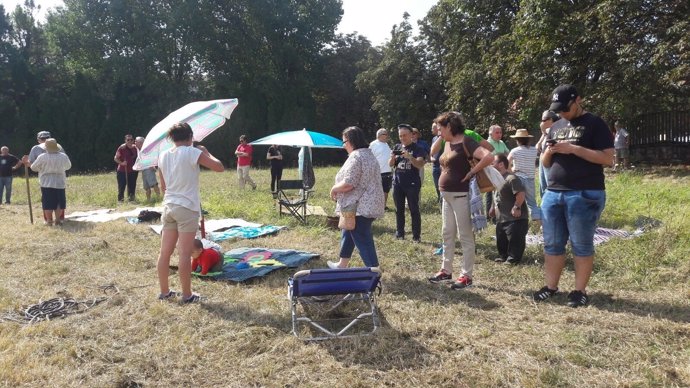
x=603, y=157
x=435, y=148
x=485, y=158
x=162, y=181
x=209, y=161
x=485, y=143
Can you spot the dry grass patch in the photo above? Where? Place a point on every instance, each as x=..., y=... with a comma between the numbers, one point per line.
x=634, y=334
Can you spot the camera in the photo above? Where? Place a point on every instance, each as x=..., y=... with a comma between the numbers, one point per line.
x=551, y=142
x=397, y=152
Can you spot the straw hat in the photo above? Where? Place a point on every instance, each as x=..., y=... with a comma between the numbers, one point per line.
x=521, y=133
x=52, y=146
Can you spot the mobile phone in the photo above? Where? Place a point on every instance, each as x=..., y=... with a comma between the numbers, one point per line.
x=551, y=142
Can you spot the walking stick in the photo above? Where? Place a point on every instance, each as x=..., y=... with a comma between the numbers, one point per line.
x=203, y=224
x=28, y=193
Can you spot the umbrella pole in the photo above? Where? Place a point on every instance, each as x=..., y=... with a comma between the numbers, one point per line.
x=203, y=224
x=28, y=193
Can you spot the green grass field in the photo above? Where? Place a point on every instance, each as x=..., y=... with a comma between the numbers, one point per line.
x=635, y=332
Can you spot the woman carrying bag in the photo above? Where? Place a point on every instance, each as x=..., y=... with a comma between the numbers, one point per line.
x=359, y=197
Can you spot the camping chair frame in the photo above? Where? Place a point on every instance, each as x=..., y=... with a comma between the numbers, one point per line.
x=297, y=206
x=332, y=288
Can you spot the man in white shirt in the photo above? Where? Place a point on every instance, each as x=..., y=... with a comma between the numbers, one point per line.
x=382, y=151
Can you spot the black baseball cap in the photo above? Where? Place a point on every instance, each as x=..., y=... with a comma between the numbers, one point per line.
x=562, y=96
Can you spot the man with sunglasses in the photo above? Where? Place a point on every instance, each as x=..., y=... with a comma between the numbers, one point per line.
x=406, y=159
x=125, y=156
x=578, y=147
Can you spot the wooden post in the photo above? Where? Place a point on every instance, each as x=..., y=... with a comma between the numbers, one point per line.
x=28, y=193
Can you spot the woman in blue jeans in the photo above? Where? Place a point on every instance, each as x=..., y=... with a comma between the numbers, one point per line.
x=358, y=183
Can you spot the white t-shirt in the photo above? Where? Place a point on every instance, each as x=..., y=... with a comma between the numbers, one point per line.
x=51, y=169
x=180, y=169
x=382, y=151
x=524, y=160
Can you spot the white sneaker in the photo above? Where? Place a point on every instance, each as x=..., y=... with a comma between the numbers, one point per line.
x=333, y=265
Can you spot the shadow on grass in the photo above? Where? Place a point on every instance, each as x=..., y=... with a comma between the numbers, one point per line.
x=387, y=349
x=248, y=314
x=436, y=293
x=672, y=312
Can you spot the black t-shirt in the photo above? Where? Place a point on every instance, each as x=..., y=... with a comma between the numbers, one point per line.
x=275, y=163
x=405, y=174
x=570, y=172
x=6, y=163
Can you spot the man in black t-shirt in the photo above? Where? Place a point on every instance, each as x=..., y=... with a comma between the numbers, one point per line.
x=579, y=146
x=276, y=157
x=406, y=160
x=8, y=164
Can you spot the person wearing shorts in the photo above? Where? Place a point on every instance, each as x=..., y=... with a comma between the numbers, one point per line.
x=51, y=167
x=178, y=170
x=148, y=176
x=578, y=147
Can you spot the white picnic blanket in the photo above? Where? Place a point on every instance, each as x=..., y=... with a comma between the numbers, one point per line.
x=216, y=225
x=105, y=215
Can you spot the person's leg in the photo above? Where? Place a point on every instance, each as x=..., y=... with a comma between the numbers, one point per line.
x=168, y=241
x=535, y=212
x=556, y=235
x=8, y=190
x=364, y=241
x=61, y=206
x=132, y=185
x=156, y=190
x=185, y=243
x=516, y=232
x=502, y=240
x=461, y=207
x=48, y=204
x=121, y=184
x=448, y=232
x=148, y=194
x=415, y=215
x=274, y=179
x=583, y=211
x=240, y=177
x=347, y=246
x=3, y=184
x=436, y=173
x=399, y=200
x=249, y=178
x=489, y=203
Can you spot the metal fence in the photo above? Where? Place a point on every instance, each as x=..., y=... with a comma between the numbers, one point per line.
x=662, y=137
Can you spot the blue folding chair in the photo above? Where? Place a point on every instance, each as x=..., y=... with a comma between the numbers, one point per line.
x=324, y=291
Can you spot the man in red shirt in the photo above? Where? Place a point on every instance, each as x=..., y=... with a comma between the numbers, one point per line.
x=244, y=160
x=125, y=156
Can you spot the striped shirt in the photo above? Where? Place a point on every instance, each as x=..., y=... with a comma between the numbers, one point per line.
x=524, y=160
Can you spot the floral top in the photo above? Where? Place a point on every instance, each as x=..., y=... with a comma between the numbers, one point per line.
x=361, y=170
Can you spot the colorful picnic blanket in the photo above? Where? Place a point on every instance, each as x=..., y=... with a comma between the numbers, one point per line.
x=244, y=232
x=241, y=264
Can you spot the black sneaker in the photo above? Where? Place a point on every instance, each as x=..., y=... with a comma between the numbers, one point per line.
x=544, y=293
x=577, y=298
x=441, y=276
x=194, y=298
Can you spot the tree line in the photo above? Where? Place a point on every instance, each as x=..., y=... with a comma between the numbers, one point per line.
x=95, y=70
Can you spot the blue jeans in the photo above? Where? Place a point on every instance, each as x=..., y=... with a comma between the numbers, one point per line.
x=362, y=238
x=571, y=214
x=436, y=173
x=6, y=185
x=535, y=213
x=543, y=182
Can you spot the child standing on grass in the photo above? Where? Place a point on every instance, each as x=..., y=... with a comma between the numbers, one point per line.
x=208, y=259
x=178, y=170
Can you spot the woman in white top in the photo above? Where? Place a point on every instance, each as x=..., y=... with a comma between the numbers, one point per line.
x=178, y=170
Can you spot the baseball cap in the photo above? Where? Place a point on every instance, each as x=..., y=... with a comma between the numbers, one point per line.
x=43, y=135
x=562, y=95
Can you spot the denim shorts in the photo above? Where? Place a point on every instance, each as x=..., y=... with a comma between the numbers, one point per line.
x=571, y=215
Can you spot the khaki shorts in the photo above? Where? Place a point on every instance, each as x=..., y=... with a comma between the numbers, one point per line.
x=180, y=218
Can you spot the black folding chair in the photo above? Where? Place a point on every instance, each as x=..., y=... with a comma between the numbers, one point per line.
x=293, y=196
